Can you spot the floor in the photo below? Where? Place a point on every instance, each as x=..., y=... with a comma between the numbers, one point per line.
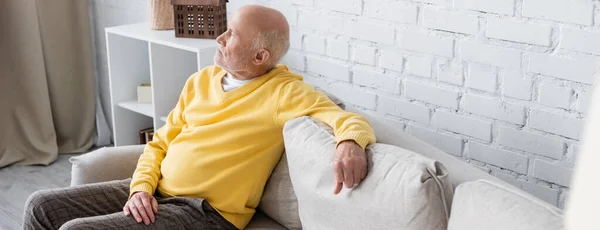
x=18, y=182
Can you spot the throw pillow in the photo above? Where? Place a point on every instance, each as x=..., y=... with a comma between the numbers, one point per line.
x=403, y=189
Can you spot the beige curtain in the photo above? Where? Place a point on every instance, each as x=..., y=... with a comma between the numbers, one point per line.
x=47, y=98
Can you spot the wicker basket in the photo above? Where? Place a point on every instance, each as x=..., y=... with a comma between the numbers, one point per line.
x=161, y=15
x=200, y=18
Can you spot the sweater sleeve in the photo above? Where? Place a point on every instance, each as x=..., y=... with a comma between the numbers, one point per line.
x=298, y=99
x=147, y=173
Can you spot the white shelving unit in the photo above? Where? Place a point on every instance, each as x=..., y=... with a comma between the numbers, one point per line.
x=138, y=54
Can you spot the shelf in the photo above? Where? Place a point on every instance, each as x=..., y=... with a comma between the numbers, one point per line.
x=141, y=108
x=143, y=31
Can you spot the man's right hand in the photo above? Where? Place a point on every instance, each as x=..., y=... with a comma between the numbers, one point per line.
x=142, y=206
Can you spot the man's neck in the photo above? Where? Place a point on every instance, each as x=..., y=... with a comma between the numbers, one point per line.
x=246, y=75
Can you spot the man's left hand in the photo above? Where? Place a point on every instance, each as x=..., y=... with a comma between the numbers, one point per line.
x=350, y=165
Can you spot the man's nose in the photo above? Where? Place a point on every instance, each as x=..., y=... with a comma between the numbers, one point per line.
x=221, y=39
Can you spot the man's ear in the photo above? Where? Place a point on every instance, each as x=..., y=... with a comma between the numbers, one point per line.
x=262, y=57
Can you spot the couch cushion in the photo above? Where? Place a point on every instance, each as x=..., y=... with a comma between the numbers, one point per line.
x=262, y=222
x=488, y=205
x=403, y=190
x=278, y=199
x=105, y=164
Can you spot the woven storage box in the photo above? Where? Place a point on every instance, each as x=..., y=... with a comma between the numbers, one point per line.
x=200, y=18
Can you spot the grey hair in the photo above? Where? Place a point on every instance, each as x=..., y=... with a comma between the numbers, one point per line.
x=275, y=42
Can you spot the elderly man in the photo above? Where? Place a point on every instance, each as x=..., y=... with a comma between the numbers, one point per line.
x=207, y=166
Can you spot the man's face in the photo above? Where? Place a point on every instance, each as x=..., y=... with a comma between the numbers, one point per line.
x=234, y=51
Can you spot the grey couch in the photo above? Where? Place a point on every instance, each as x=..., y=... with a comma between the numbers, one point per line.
x=480, y=200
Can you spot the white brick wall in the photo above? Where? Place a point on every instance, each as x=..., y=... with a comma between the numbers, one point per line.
x=576, y=12
x=516, y=85
x=554, y=123
x=427, y=44
x=338, y=48
x=435, y=18
x=328, y=68
x=364, y=54
x=582, y=70
x=482, y=79
x=518, y=31
x=447, y=143
x=463, y=124
x=492, y=108
x=412, y=62
x=581, y=41
x=431, y=94
x=314, y=44
x=555, y=96
x=491, y=55
x=392, y=11
x=530, y=142
x=499, y=157
x=553, y=173
x=506, y=7
x=418, y=66
x=369, y=78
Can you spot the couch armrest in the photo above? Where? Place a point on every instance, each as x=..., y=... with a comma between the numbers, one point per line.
x=105, y=164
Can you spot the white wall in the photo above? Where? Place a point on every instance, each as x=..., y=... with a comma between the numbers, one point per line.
x=502, y=84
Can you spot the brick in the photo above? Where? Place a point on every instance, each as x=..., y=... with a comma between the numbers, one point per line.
x=364, y=54
x=576, y=12
x=552, y=173
x=450, y=73
x=328, y=68
x=554, y=123
x=431, y=94
x=450, y=21
x=294, y=60
x=427, y=44
x=482, y=79
x=314, y=44
x=370, y=32
x=392, y=60
x=354, y=96
x=315, y=81
x=506, y=7
x=389, y=121
x=338, y=49
x=530, y=142
x=516, y=85
x=490, y=54
x=391, y=11
x=447, y=143
x=493, y=108
x=464, y=125
x=303, y=2
x=580, y=41
x=404, y=109
x=418, y=66
x=555, y=96
x=547, y=194
x=326, y=23
x=365, y=77
x=584, y=100
x=582, y=70
x=296, y=39
x=345, y=6
x=498, y=157
x=517, y=31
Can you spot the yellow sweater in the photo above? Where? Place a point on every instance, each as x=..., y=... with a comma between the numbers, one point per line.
x=222, y=146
